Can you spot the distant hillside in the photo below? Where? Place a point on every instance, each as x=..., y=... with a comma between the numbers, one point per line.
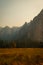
x=33, y=30
x=31, y=34
x=28, y=35
x=7, y=33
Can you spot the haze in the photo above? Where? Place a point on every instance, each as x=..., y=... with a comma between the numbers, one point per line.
x=17, y=12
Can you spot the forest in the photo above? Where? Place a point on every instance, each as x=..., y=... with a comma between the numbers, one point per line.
x=20, y=44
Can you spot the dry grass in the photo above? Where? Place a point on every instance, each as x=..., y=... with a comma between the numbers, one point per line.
x=21, y=56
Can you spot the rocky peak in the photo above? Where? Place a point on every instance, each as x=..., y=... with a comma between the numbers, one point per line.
x=41, y=11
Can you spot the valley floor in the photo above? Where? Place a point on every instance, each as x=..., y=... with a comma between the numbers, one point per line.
x=21, y=56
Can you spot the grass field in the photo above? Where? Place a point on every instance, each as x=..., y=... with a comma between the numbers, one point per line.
x=21, y=56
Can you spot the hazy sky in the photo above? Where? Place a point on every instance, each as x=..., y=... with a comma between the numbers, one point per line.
x=17, y=12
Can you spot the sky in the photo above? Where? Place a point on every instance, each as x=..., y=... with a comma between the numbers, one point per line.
x=17, y=12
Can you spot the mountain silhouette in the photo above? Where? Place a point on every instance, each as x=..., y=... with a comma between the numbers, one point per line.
x=32, y=31
x=6, y=33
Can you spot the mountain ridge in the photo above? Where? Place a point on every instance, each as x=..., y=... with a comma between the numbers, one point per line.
x=32, y=31
x=35, y=26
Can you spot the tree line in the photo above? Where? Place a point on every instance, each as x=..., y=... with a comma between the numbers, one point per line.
x=20, y=44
